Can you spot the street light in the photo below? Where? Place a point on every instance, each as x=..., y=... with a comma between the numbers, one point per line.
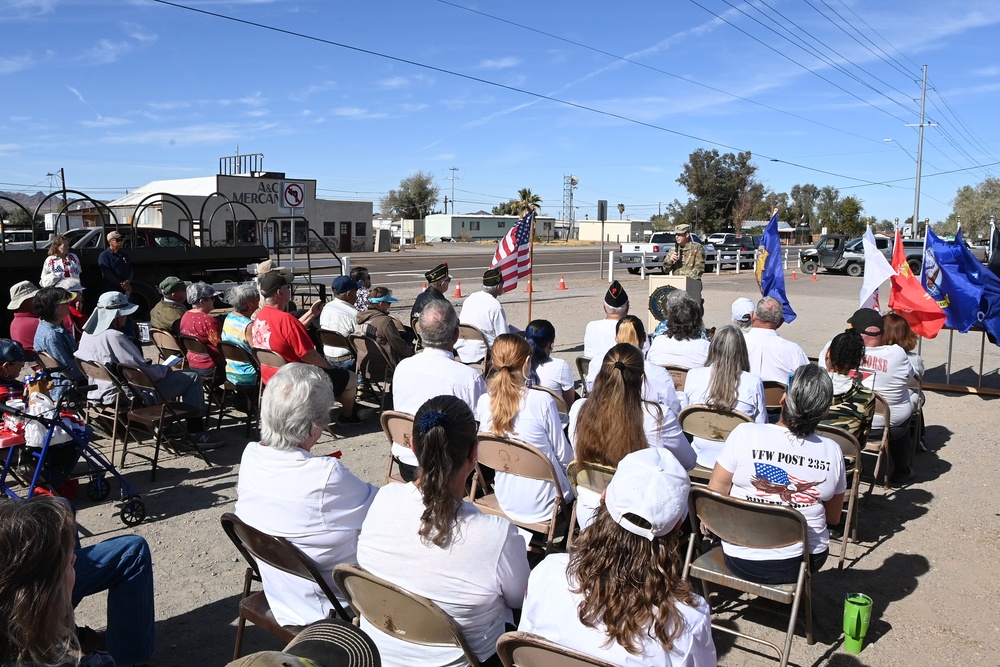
x=900, y=146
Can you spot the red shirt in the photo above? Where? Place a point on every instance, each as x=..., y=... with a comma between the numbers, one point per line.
x=22, y=329
x=280, y=332
x=207, y=329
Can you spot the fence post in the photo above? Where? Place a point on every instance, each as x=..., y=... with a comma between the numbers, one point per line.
x=611, y=265
x=737, y=261
x=345, y=266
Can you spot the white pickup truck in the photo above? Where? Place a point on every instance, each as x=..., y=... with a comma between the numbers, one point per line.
x=659, y=247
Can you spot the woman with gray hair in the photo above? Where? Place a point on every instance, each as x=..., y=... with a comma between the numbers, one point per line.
x=313, y=501
x=684, y=344
x=725, y=383
x=786, y=464
x=245, y=299
x=199, y=323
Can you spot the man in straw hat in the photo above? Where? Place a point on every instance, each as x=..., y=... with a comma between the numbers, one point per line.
x=25, y=323
x=483, y=311
x=103, y=342
x=437, y=284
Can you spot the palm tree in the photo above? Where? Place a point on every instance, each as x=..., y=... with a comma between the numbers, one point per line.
x=621, y=211
x=527, y=201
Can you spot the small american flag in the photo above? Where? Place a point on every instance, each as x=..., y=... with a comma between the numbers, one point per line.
x=513, y=255
x=771, y=480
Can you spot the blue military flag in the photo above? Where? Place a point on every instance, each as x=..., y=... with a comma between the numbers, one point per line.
x=770, y=274
x=988, y=313
x=948, y=280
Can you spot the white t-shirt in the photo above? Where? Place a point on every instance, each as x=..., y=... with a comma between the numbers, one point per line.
x=484, y=312
x=749, y=400
x=770, y=465
x=772, y=358
x=662, y=430
x=537, y=423
x=339, y=316
x=314, y=502
x=667, y=351
x=428, y=374
x=598, y=338
x=892, y=374
x=476, y=579
x=550, y=610
x=555, y=374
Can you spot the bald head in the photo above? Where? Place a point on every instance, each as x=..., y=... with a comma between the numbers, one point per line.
x=439, y=325
x=768, y=314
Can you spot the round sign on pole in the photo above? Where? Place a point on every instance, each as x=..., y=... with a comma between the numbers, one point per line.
x=293, y=195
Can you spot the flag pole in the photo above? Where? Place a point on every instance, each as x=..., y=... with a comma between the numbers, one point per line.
x=531, y=259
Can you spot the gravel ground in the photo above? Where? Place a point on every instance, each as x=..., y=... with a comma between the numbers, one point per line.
x=925, y=550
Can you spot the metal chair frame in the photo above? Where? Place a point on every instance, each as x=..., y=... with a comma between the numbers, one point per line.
x=591, y=476
x=233, y=352
x=398, y=428
x=523, y=649
x=852, y=466
x=711, y=423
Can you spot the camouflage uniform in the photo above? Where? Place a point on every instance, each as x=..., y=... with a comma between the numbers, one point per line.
x=853, y=411
x=690, y=261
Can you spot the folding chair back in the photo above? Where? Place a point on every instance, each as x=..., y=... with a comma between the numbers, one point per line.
x=560, y=401
x=328, y=338
x=514, y=457
x=583, y=368
x=398, y=428
x=851, y=450
x=678, y=373
x=473, y=333
x=251, y=392
x=123, y=398
x=773, y=391
x=592, y=478
x=757, y=526
x=49, y=364
x=375, y=366
x=710, y=423
x=166, y=344
x=523, y=649
x=880, y=445
x=399, y=613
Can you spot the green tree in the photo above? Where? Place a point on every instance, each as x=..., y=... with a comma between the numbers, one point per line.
x=717, y=183
x=827, y=205
x=416, y=197
x=848, y=217
x=803, y=205
x=508, y=207
x=771, y=200
x=621, y=211
x=973, y=206
x=527, y=201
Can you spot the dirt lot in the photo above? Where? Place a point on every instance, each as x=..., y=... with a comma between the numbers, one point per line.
x=926, y=551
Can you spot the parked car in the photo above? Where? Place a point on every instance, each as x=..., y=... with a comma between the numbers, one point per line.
x=834, y=252
x=727, y=245
x=660, y=245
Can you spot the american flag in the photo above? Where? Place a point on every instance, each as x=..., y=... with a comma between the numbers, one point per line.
x=789, y=488
x=513, y=254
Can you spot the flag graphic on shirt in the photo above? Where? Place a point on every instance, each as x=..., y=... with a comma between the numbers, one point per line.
x=774, y=481
x=513, y=254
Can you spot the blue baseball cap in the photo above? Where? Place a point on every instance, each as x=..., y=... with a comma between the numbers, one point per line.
x=344, y=284
x=11, y=352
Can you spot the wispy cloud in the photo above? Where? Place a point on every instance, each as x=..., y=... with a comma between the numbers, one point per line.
x=986, y=71
x=394, y=82
x=357, y=113
x=322, y=87
x=13, y=64
x=104, y=121
x=168, y=106
x=139, y=33
x=105, y=51
x=191, y=134
x=499, y=63
x=22, y=9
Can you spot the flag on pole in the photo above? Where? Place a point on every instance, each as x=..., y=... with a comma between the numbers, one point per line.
x=988, y=314
x=909, y=298
x=877, y=271
x=769, y=270
x=945, y=279
x=513, y=255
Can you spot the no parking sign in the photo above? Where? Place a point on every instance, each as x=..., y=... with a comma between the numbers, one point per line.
x=293, y=196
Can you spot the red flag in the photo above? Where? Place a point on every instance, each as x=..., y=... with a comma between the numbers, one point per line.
x=909, y=298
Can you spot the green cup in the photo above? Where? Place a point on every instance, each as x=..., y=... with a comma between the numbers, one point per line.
x=857, y=615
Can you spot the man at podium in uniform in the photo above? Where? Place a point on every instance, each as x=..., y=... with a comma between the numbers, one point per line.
x=688, y=257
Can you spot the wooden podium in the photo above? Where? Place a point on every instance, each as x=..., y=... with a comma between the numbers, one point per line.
x=689, y=285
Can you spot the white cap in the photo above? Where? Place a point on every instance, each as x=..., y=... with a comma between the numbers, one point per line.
x=742, y=309
x=652, y=485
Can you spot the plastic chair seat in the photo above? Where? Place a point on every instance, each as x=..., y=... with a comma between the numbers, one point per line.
x=712, y=568
x=256, y=609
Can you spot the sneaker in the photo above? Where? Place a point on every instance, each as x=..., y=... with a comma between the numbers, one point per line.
x=354, y=418
x=206, y=440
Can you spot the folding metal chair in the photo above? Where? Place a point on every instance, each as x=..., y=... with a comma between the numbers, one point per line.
x=523, y=649
x=269, y=359
x=398, y=428
x=591, y=478
x=117, y=413
x=773, y=391
x=400, y=613
x=472, y=333
x=280, y=554
x=879, y=446
x=375, y=366
x=710, y=423
x=195, y=346
x=328, y=338
x=250, y=392
x=852, y=467
x=167, y=344
x=583, y=368
x=678, y=373
x=758, y=526
x=513, y=457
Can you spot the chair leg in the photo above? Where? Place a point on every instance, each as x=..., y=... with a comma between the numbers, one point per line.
x=222, y=403
x=156, y=450
x=128, y=435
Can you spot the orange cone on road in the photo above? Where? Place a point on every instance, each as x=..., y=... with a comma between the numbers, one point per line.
x=528, y=287
x=793, y=275
x=562, y=283
x=814, y=275
x=458, y=290
x=425, y=285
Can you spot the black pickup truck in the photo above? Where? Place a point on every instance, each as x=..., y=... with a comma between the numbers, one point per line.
x=154, y=253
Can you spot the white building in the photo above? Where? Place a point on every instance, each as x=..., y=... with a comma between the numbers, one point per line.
x=479, y=226
x=284, y=206
x=615, y=231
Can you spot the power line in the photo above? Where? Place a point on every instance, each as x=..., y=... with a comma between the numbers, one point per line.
x=877, y=33
x=884, y=57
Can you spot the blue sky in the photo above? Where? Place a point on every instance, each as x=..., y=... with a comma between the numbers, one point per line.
x=120, y=93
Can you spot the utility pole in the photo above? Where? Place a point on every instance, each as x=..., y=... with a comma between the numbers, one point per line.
x=453, y=177
x=920, y=155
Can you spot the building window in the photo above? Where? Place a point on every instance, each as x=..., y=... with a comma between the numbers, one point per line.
x=329, y=228
x=501, y=224
x=360, y=230
x=474, y=225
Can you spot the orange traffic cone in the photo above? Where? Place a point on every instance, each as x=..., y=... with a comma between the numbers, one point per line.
x=814, y=276
x=562, y=283
x=528, y=287
x=425, y=286
x=793, y=275
x=458, y=290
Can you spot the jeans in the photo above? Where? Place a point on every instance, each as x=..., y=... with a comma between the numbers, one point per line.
x=187, y=385
x=122, y=566
x=773, y=571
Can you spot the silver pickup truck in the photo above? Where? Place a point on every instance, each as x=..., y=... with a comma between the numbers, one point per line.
x=660, y=245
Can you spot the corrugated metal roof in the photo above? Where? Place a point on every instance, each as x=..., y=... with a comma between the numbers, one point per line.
x=200, y=187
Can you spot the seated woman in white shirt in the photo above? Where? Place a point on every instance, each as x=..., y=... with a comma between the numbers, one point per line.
x=618, y=595
x=725, y=383
x=422, y=537
x=683, y=344
x=615, y=420
x=786, y=464
x=313, y=501
x=658, y=385
x=897, y=331
x=548, y=371
x=511, y=410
